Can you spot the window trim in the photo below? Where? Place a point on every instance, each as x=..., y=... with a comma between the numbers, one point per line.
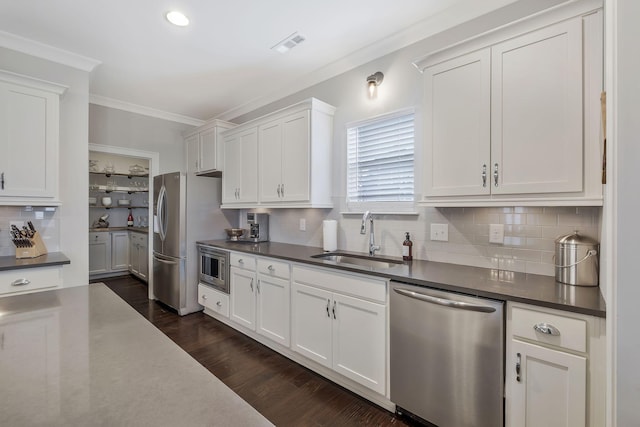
x=401, y=207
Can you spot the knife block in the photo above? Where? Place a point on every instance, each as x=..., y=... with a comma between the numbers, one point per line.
x=34, y=251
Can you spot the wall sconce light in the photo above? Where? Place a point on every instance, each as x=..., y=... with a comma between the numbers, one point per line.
x=373, y=81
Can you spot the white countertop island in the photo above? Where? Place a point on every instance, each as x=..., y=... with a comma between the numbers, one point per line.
x=83, y=357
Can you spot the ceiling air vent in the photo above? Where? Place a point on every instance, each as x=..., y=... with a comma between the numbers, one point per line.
x=288, y=43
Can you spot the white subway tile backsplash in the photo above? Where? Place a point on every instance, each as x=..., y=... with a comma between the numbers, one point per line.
x=529, y=244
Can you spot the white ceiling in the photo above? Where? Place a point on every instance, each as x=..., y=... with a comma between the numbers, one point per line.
x=223, y=60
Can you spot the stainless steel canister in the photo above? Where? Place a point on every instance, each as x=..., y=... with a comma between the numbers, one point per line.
x=577, y=260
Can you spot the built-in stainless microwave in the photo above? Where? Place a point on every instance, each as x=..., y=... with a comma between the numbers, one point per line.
x=213, y=267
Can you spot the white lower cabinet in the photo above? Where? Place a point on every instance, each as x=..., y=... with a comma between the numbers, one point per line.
x=554, y=373
x=119, y=250
x=243, y=300
x=260, y=296
x=139, y=255
x=29, y=279
x=213, y=300
x=99, y=253
x=346, y=333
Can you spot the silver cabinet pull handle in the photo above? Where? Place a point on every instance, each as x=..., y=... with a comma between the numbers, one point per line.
x=251, y=285
x=518, y=360
x=258, y=286
x=495, y=174
x=546, y=328
x=219, y=304
x=20, y=282
x=445, y=302
x=2, y=180
x=328, y=303
x=282, y=189
x=278, y=190
x=334, y=309
x=484, y=175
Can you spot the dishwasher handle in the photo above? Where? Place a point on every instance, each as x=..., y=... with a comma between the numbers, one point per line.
x=445, y=302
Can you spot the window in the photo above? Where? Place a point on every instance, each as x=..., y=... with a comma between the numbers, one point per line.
x=380, y=159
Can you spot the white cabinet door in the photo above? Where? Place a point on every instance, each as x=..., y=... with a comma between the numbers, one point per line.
x=551, y=390
x=243, y=300
x=240, y=179
x=134, y=261
x=457, y=126
x=193, y=154
x=296, y=157
x=99, y=253
x=359, y=342
x=119, y=250
x=270, y=148
x=208, y=150
x=273, y=309
x=29, y=121
x=536, y=122
x=311, y=330
x=143, y=257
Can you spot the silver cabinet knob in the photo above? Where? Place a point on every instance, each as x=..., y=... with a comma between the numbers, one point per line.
x=20, y=282
x=219, y=304
x=270, y=268
x=204, y=297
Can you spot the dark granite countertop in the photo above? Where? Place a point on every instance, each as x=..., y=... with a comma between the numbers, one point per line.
x=490, y=283
x=136, y=229
x=46, y=260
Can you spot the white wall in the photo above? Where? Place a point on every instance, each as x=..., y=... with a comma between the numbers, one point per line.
x=109, y=126
x=626, y=316
x=72, y=215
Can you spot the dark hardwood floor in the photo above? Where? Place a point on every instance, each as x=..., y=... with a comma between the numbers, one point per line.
x=283, y=391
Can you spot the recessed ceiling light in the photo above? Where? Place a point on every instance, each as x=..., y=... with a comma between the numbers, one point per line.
x=177, y=18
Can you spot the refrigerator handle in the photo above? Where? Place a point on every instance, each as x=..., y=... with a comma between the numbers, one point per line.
x=164, y=261
x=160, y=208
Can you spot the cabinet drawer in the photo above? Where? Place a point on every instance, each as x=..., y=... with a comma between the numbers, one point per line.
x=244, y=261
x=30, y=279
x=99, y=237
x=213, y=300
x=370, y=288
x=572, y=331
x=273, y=268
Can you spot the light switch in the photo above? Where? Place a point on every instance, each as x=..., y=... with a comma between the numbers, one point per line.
x=496, y=233
x=303, y=224
x=440, y=232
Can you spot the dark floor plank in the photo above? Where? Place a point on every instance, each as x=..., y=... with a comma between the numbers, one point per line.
x=285, y=392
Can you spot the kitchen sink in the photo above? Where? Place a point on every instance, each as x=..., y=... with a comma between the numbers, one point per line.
x=361, y=261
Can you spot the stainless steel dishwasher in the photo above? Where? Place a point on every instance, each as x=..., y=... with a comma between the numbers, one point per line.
x=447, y=357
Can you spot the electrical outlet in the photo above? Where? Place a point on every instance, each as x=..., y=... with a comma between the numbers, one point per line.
x=440, y=232
x=496, y=233
x=303, y=224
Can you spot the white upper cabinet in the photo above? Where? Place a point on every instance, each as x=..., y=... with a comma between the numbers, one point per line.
x=240, y=177
x=293, y=157
x=29, y=134
x=284, y=159
x=536, y=120
x=457, y=136
x=515, y=119
x=205, y=149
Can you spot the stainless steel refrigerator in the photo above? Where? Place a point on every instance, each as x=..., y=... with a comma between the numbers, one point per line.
x=186, y=209
x=169, y=240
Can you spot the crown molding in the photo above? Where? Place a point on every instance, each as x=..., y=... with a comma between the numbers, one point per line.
x=145, y=111
x=45, y=51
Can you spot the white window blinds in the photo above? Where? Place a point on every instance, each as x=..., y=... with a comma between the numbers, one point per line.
x=380, y=159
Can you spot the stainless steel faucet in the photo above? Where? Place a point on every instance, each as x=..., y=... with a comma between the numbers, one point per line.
x=372, y=239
